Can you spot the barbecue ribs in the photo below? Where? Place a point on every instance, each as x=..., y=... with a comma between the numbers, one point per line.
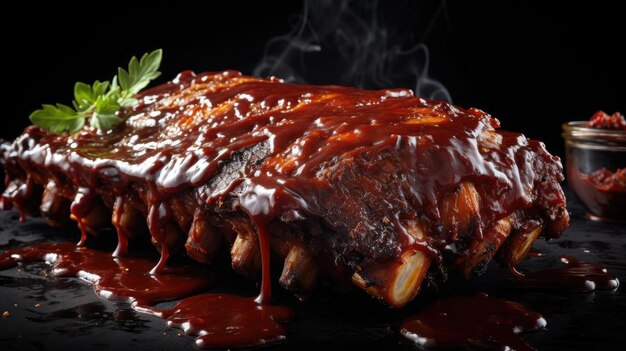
x=378, y=188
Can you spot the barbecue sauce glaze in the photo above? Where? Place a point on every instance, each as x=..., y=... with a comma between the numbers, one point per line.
x=181, y=132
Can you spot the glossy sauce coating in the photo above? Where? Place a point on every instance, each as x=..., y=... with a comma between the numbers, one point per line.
x=181, y=132
x=479, y=322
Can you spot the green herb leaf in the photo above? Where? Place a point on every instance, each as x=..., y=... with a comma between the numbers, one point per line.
x=85, y=95
x=140, y=72
x=101, y=101
x=128, y=102
x=105, y=114
x=58, y=119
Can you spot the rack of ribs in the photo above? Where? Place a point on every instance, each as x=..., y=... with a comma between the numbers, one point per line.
x=378, y=189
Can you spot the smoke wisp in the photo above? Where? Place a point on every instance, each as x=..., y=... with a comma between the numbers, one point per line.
x=349, y=43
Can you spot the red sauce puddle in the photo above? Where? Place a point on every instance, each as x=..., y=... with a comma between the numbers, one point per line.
x=118, y=279
x=227, y=321
x=219, y=320
x=479, y=322
x=576, y=276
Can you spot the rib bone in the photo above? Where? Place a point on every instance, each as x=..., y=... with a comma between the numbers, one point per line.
x=483, y=252
x=245, y=253
x=300, y=272
x=396, y=283
x=54, y=207
x=203, y=241
x=518, y=244
x=460, y=208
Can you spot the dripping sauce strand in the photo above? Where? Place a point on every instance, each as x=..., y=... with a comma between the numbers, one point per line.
x=122, y=237
x=265, y=295
x=79, y=209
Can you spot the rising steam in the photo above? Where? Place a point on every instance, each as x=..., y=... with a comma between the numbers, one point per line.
x=347, y=42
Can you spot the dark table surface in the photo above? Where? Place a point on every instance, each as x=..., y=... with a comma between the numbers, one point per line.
x=71, y=316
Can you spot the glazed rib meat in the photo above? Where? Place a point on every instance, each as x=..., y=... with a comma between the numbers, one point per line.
x=378, y=189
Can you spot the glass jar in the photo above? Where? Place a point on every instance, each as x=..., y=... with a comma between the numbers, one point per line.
x=595, y=163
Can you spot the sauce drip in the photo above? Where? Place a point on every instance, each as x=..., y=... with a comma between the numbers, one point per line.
x=80, y=208
x=122, y=237
x=576, y=276
x=117, y=279
x=265, y=296
x=226, y=321
x=19, y=192
x=157, y=224
x=479, y=322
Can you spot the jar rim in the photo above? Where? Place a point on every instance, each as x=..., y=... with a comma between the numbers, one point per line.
x=578, y=130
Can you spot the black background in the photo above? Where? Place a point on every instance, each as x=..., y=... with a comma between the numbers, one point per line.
x=533, y=65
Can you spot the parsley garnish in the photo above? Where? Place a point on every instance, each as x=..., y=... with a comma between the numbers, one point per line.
x=100, y=101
